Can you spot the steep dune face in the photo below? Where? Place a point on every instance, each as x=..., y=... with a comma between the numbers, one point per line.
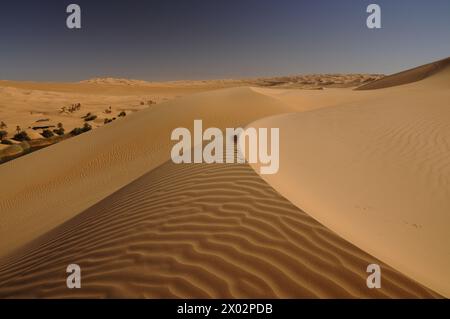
x=197, y=230
x=410, y=76
x=47, y=187
x=377, y=173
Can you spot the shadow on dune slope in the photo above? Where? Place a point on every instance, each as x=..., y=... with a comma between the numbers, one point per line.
x=197, y=230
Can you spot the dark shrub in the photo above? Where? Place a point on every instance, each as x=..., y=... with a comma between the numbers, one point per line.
x=86, y=127
x=22, y=136
x=90, y=118
x=106, y=121
x=76, y=131
x=47, y=133
x=3, y=134
x=80, y=130
x=122, y=114
x=7, y=142
x=59, y=131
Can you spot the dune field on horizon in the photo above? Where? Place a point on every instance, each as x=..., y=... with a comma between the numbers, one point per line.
x=364, y=178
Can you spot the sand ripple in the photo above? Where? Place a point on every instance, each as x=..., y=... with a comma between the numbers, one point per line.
x=197, y=231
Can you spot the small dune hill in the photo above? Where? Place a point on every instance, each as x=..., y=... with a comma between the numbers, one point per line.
x=197, y=231
x=409, y=76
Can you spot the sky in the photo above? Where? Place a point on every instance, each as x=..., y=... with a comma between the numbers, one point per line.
x=159, y=40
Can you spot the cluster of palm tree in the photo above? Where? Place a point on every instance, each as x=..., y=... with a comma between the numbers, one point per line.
x=59, y=130
x=80, y=130
x=3, y=133
x=149, y=102
x=21, y=135
x=73, y=108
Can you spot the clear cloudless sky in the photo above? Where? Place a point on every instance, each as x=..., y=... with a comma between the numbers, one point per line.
x=204, y=39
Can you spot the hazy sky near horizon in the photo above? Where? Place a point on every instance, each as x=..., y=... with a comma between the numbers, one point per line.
x=204, y=39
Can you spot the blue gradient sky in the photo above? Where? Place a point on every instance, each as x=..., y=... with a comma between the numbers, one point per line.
x=203, y=39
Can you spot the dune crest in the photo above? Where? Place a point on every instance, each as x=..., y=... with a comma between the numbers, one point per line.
x=410, y=76
x=197, y=231
x=377, y=173
x=107, y=159
x=371, y=165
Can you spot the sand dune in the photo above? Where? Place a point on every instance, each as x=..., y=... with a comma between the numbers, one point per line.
x=294, y=81
x=200, y=231
x=27, y=104
x=77, y=173
x=409, y=76
x=377, y=173
x=141, y=226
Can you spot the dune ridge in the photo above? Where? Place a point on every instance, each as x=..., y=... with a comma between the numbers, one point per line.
x=409, y=76
x=197, y=230
x=143, y=227
x=377, y=172
x=107, y=159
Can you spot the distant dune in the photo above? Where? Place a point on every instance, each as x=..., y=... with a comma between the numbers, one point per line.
x=115, y=81
x=140, y=226
x=409, y=76
x=24, y=104
x=309, y=81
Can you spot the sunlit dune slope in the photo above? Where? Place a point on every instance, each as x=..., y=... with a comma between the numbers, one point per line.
x=47, y=187
x=410, y=76
x=371, y=165
x=377, y=173
x=197, y=230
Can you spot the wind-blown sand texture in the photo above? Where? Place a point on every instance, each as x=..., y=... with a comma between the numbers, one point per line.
x=378, y=172
x=140, y=226
x=204, y=231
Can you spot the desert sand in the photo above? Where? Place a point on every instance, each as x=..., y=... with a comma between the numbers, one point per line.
x=38, y=109
x=24, y=104
x=377, y=171
x=197, y=231
x=140, y=226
